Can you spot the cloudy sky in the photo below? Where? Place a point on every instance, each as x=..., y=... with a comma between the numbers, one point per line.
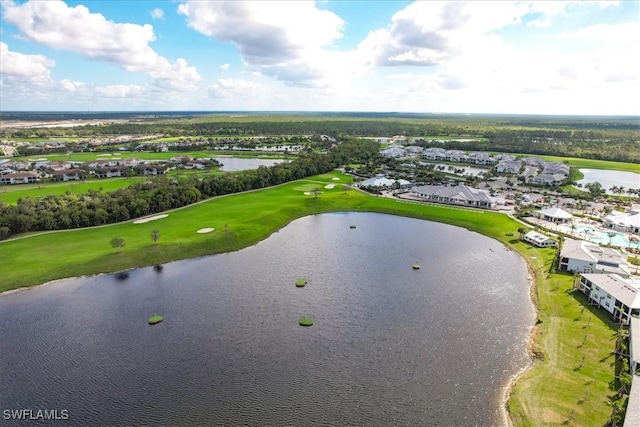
x=569, y=57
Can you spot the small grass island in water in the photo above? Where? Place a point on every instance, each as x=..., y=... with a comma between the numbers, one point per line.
x=301, y=282
x=305, y=321
x=155, y=319
x=416, y=266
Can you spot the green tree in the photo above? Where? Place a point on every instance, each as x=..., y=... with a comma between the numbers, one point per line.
x=595, y=189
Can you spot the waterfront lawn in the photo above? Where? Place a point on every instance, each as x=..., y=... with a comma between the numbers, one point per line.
x=569, y=382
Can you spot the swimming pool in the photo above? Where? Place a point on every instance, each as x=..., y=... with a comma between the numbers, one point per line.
x=597, y=235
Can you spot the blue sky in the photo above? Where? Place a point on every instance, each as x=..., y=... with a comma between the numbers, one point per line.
x=569, y=57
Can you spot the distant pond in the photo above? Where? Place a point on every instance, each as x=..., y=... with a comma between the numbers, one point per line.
x=609, y=178
x=391, y=345
x=231, y=164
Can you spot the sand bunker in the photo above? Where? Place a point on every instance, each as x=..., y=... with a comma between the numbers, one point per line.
x=151, y=218
x=205, y=230
x=103, y=155
x=335, y=178
x=329, y=186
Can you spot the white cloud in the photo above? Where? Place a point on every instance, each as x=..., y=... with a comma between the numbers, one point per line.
x=607, y=34
x=52, y=23
x=24, y=69
x=120, y=91
x=71, y=86
x=286, y=40
x=157, y=13
x=225, y=88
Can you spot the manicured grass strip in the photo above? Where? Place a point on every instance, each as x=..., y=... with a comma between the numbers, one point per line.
x=569, y=382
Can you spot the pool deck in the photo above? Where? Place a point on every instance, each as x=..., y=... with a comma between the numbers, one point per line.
x=591, y=224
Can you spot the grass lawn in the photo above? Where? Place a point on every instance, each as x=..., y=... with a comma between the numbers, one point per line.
x=11, y=193
x=569, y=381
x=560, y=388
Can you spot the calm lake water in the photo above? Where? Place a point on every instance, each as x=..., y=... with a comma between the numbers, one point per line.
x=390, y=345
x=240, y=163
x=610, y=178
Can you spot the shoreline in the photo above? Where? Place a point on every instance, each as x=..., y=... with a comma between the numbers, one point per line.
x=507, y=391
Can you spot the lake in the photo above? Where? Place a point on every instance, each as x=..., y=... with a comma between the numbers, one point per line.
x=609, y=178
x=240, y=163
x=390, y=345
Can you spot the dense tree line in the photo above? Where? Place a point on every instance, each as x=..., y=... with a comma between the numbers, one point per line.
x=605, y=138
x=161, y=193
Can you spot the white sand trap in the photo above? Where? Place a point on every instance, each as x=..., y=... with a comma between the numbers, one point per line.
x=41, y=159
x=151, y=218
x=205, y=230
x=308, y=193
x=335, y=178
x=329, y=186
x=102, y=155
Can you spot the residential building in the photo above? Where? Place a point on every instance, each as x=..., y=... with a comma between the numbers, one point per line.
x=459, y=195
x=393, y=151
x=626, y=222
x=508, y=166
x=112, y=171
x=434, y=153
x=539, y=240
x=553, y=175
x=619, y=296
x=586, y=257
x=69, y=175
x=20, y=178
x=553, y=215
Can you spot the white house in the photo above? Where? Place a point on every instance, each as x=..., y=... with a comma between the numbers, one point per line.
x=586, y=257
x=539, y=240
x=553, y=174
x=619, y=296
x=69, y=175
x=508, y=166
x=19, y=178
x=393, y=151
x=458, y=195
x=382, y=182
x=626, y=222
x=553, y=215
x=434, y=153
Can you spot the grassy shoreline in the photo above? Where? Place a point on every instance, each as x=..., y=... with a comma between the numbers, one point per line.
x=545, y=394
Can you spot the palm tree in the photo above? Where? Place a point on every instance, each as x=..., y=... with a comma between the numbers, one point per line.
x=611, y=235
x=573, y=227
